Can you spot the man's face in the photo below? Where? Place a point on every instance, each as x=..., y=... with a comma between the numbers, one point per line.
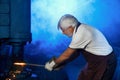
x=68, y=31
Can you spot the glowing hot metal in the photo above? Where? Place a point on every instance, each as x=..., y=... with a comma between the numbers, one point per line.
x=24, y=64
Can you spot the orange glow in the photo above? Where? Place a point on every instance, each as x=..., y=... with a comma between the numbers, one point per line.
x=24, y=64
x=20, y=64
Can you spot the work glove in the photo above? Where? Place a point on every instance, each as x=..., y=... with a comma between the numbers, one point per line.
x=50, y=64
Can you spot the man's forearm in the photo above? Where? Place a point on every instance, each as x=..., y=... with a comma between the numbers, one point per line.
x=57, y=63
x=65, y=56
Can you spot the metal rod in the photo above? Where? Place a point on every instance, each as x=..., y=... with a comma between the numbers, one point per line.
x=35, y=65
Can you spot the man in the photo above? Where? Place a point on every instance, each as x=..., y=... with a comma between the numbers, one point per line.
x=101, y=61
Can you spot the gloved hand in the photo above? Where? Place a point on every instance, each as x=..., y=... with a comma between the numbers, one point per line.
x=50, y=64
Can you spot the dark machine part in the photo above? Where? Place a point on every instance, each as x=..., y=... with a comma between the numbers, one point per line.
x=20, y=26
x=15, y=24
x=15, y=31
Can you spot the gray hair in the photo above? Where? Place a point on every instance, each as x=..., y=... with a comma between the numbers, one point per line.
x=66, y=21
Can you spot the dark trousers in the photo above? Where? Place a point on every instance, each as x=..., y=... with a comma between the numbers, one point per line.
x=98, y=67
x=110, y=69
